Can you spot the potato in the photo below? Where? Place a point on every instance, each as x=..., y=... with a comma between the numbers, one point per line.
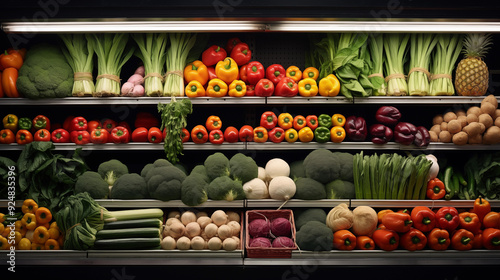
x=490, y=99
x=460, y=112
x=486, y=120
x=472, y=118
x=454, y=126
x=445, y=136
x=463, y=120
x=473, y=129
x=483, y=128
x=474, y=110
x=492, y=135
x=488, y=108
x=449, y=116
x=497, y=122
x=438, y=119
x=444, y=126
x=460, y=138
x=497, y=114
x=436, y=128
x=434, y=136
x=477, y=139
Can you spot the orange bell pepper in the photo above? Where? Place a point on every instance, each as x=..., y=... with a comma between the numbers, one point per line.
x=329, y=86
x=338, y=119
x=469, y=221
x=299, y=122
x=51, y=244
x=294, y=73
x=11, y=58
x=492, y=220
x=194, y=89
x=365, y=243
x=435, y=189
x=7, y=136
x=285, y=120
x=41, y=235
x=491, y=238
x=310, y=72
x=216, y=88
x=213, y=123
x=23, y=137
x=413, y=240
x=260, y=134
x=438, y=239
x=308, y=87
x=462, y=240
x=43, y=215
x=9, y=79
x=344, y=240
x=481, y=207
x=381, y=213
x=196, y=71
x=199, y=134
x=227, y=70
x=397, y=221
x=337, y=134
x=237, y=88
x=306, y=134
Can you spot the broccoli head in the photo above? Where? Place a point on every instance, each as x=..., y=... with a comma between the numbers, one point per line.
x=346, y=165
x=129, y=186
x=193, y=189
x=225, y=188
x=315, y=236
x=156, y=163
x=310, y=214
x=164, y=182
x=324, y=166
x=45, y=73
x=339, y=189
x=200, y=169
x=309, y=189
x=297, y=170
x=111, y=170
x=217, y=165
x=243, y=168
x=92, y=183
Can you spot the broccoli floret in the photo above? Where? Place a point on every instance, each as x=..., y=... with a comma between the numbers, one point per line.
x=45, y=73
x=309, y=189
x=225, y=188
x=164, y=182
x=156, y=163
x=129, y=186
x=324, y=166
x=311, y=214
x=200, y=169
x=146, y=169
x=315, y=236
x=92, y=183
x=193, y=189
x=243, y=168
x=339, y=189
x=217, y=165
x=111, y=170
x=297, y=170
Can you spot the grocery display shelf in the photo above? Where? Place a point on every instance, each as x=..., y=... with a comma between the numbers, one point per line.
x=293, y=203
x=149, y=203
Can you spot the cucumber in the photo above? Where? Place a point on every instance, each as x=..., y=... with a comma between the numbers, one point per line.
x=128, y=233
x=139, y=223
x=127, y=243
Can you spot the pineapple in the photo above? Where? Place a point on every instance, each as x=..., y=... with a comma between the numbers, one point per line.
x=472, y=75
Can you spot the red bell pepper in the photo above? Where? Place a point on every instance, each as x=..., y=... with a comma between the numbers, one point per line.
x=275, y=72
x=397, y=221
x=312, y=121
x=212, y=55
x=385, y=239
x=155, y=135
x=255, y=72
x=413, y=240
x=147, y=120
x=23, y=137
x=42, y=135
x=243, y=73
x=99, y=136
x=40, y=122
x=67, y=123
x=124, y=124
x=241, y=54
x=424, y=219
x=80, y=137
x=470, y=221
x=184, y=135
x=438, y=239
x=286, y=87
x=231, y=43
x=120, y=134
x=78, y=123
x=140, y=134
x=299, y=122
x=435, y=189
x=246, y=133
x=277, y=134
x=268, y=120
x=462, y=240
x=491, y=239
x=264, y=87
x=216, y=136
x=7, y=136
x=108, y=124
x=231, y=134
x=250, y=90
x=60, y=135
x=93, y=124
x=199, y=134
x=447, y=218
x=211, y=73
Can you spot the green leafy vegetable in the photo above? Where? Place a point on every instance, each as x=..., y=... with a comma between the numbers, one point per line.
x=376, y=75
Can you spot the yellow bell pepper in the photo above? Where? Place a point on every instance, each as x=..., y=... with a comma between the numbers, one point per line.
x=24, y=244
x=227, y=70
x=4, y=243
x=338, y=120
x=20, y=227
x=291, y=135
x=308, y=87
x=216, y=88
x=285, y=121
x=29, y=220
x=2, y=227
x=310, y=72
x=306, y=134
x=29, y=206
x=51, y=244
x=329, y=86
x=54, y=233
x=237, y=88
x=10, y=121
x=337, y=134
x=41, y=235
x=196, y=71
x=37, y=246
x=194, y=89
x=17, y=237
x=294, y=73
x=2, y=218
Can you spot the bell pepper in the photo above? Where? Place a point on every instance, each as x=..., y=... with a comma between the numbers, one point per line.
x=241, y=53
x=462, y=240
x=24, y=123
x=478, y=240
x=481, y=207
x=338, y=119
x=139, y=134
x=337, y=134
x=435, y=189
x=308, y=87
x=94, y=124
x=306, y=134
x=43, y=215
x=422, y=137
x=100, y=136
x=329, y=86
x=264, y=88
x=447, y=218
x=246, y=133
x=275, y=72
x=23, y=137
x=42, y=135
x=78, y=123
x=185, y=135
x=244, y=73
x=120, y=134
x=194, y=89
x=213, y=122
x=413, y=240
x=277, y=134
x=299, y=122
x=51, y=244
x=231, y=43
x=291, y=135
x=424, y=219
x=196, y=71
x=324, y=120
x=231, y=134
x=80, y=137
x=29, y=221
x=388, y=115
x=41, y=235
x=216, y=88
x=404, y=133
x=40, y=122
x=216, y=136
x=491, y=239
x=355, y=128
x=381, y=213
x=199, y=134
x=286, y=87
x=227, y=70
x=285, y=120
x=60, y=135
x=469, y=221
x=255, y=72
x=11, y=121
x=29, y=206
x=344, y=240
x=364, y=242
x=492, y=220
x=322, y=134
x=380, y=134
x=398, y=221
x=155, y=135
x=108, y=124
x=312, y=121
x=11, y=58
x=268, y=120
x=213, y=55
x=310, y=72
x=250, y=90
x=385, y=239
x=438, y=239
x=7, y=136
x=237, y=88
x=9, y=80
x=294, y=73
x=260, y=134
x=211, y=73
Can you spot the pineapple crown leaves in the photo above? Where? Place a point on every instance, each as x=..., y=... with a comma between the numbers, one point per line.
x=476, y=45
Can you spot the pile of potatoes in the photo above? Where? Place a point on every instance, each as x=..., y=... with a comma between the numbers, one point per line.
x=199, y=231
x=477, y=125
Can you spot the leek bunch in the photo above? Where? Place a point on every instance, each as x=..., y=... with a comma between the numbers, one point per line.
x=376, y=75
x=79, y=53
x=395, y=49
x=151, y=50
x=446, y=53
x=421, y=47
x=177, y=55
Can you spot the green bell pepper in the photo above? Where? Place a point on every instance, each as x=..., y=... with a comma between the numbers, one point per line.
x=322, y=134
x=325, y=120
x=24, y=123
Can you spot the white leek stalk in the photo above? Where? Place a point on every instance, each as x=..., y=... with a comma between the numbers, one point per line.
x=80, y=53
